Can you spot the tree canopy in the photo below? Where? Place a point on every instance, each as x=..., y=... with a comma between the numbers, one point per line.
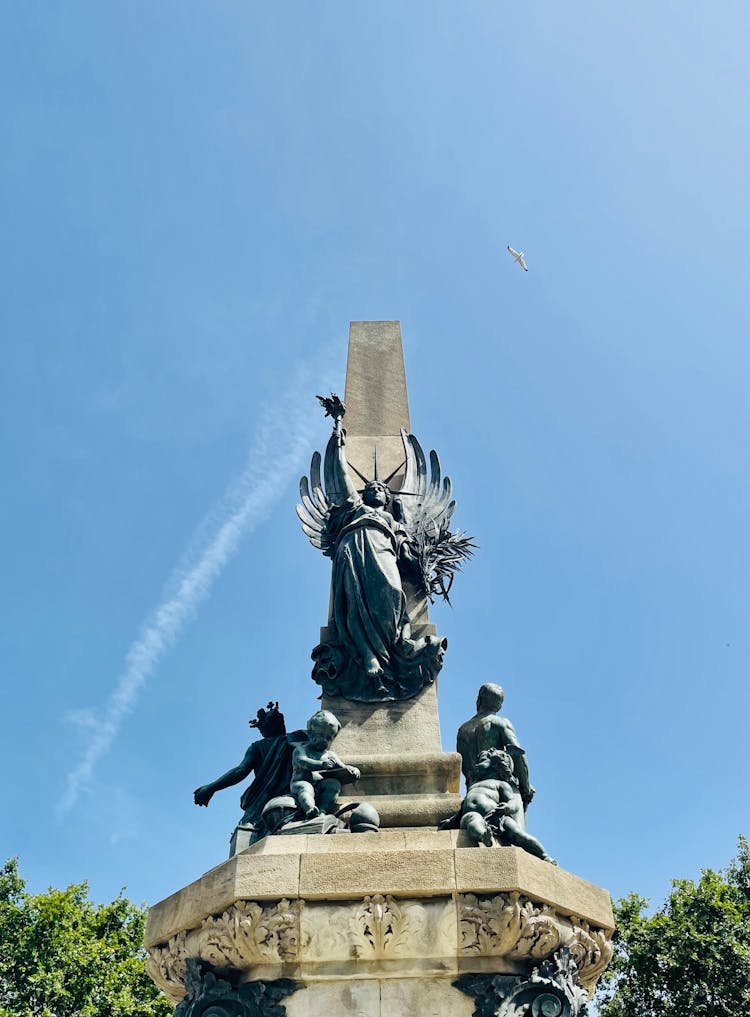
x=691, y=957
x=62, y=955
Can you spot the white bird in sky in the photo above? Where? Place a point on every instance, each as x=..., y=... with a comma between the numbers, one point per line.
x=518, y=258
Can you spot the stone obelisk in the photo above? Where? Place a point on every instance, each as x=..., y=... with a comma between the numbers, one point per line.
x=376, y=393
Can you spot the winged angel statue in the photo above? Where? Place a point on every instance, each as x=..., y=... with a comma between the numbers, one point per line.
x=379, y=540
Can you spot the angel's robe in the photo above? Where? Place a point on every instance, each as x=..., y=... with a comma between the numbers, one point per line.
x=369, y=605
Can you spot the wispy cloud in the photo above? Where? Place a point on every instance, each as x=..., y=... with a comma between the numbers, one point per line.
x=278, y=452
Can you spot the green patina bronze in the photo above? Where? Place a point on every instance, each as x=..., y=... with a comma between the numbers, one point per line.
x=378, y=540
x=487, y=730
x=498, y=791
x=317, y=772
x=269, y=758
x=492, y=811
x=297, y=782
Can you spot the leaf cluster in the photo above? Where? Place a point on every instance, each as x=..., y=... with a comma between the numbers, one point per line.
x=691, y=958
x=62, y=955
x=440, y=553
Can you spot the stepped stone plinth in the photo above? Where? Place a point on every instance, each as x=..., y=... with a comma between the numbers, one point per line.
x=409, y=780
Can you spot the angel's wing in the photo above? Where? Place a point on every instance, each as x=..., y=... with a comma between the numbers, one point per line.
x=426, y=507
x=317, y=509
x=425, y=501
x=314, y=508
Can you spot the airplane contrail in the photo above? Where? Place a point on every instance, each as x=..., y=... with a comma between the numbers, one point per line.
x=276, y=456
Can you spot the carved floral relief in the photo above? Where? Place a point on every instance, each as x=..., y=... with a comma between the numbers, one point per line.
x=509, y=925
x=379, y=928
x=246, y=933
x=591, y=950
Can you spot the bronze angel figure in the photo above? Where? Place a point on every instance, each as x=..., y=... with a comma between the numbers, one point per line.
x=380, y=540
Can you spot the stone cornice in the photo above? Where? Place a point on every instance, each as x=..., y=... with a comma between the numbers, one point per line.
x=378, y=934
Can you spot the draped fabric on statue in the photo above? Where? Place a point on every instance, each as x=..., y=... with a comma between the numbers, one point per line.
x=272, y=763
x=369, y=606
x=369, y=654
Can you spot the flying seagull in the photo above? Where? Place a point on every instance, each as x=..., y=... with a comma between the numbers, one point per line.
x=518, y=258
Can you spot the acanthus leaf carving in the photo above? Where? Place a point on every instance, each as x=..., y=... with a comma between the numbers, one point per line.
x=507, y=925
x=166, y=965
x=540, y=932
x=591, y=950
x=491, y=926
x=379, y=927
x=246, y=933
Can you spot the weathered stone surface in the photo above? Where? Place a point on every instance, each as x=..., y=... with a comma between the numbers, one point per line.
x=361, y=453
x=514, y=927
x=411, y=792
x=273, y=875
x=411, y=862
x=406, y=773
x=281, y=845
x=349, y=997
x=389, y=997
x=361, y=843
x=396, y=872
x=391, y=729
x=425, y=997
x=411, y=810
x=493, y=869
x=395, y=908
x=376, y=399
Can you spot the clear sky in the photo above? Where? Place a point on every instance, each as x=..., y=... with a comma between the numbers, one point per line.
x=196, y=199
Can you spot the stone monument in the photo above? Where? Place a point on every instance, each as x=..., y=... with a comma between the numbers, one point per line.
x=359, y=881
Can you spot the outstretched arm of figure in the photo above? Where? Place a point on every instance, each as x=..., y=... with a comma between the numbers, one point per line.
x=203, y=795
x=341, y=468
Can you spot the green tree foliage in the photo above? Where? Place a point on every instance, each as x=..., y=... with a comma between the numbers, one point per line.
x=691, y=958
x=61, y=955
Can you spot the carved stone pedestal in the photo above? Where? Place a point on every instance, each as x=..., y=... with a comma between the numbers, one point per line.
x=412, y=921
x=404, y=923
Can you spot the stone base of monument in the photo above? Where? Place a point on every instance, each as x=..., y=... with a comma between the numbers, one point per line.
x=408, y=921
x=409, y=790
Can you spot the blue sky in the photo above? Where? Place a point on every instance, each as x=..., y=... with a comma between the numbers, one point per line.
x=196, y=200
